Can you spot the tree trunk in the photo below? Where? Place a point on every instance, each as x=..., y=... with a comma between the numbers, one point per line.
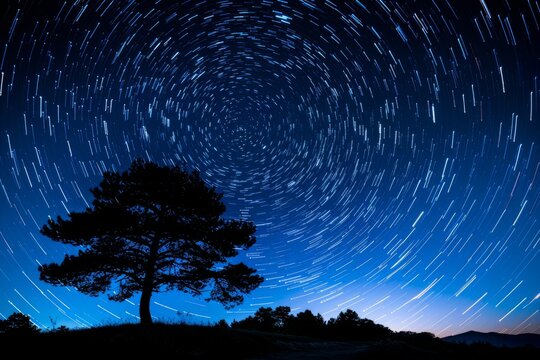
x=148, y=284
x=146, y=294
x=144, y=306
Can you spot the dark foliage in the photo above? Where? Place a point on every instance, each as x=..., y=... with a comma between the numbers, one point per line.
x=266, y=319
x=18, y=323
x=150, y=229
x=222, y=324
x=423, y=338
x=61, y=329
x=347, y=326
x=307, y=324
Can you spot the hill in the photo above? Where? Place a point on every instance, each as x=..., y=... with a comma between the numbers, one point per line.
x=180, y=341
x=496, y=339
x=205, y=342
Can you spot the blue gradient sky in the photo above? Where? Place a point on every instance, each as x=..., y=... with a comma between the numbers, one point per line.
x=388, y=153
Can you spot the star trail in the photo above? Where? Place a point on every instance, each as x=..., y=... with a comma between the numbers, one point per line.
x=388, y=152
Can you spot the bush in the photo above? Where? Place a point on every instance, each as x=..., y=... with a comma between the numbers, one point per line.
x=222, y=324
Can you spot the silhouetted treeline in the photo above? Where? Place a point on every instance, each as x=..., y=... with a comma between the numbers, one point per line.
x=382, y=342
x=348, y=325
x=346, y=336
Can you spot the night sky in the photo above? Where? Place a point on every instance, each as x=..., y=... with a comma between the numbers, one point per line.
x=388, y=152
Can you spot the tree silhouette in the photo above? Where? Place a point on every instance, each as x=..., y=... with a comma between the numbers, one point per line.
x=18, y=323
x=222, y=324
x=348, y=325
x=282, y=315
x=306, y=323
x=266, y=319
x=150, y=229
x=348, y=318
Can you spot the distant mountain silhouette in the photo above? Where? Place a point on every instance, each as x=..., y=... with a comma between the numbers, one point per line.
x=496, y=339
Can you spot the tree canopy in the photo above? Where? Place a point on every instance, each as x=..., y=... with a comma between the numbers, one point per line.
x=150, y=229
x=18, y=323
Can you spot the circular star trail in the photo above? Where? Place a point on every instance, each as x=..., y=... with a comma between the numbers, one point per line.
x=387, y=151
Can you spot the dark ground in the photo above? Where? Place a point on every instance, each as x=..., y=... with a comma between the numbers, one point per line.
x=201, y=342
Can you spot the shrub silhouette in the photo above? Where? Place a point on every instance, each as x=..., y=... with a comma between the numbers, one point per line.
x=61, y=329
x=422, y=339
x=18, y=323
x=222, y=324
x=150, y=229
